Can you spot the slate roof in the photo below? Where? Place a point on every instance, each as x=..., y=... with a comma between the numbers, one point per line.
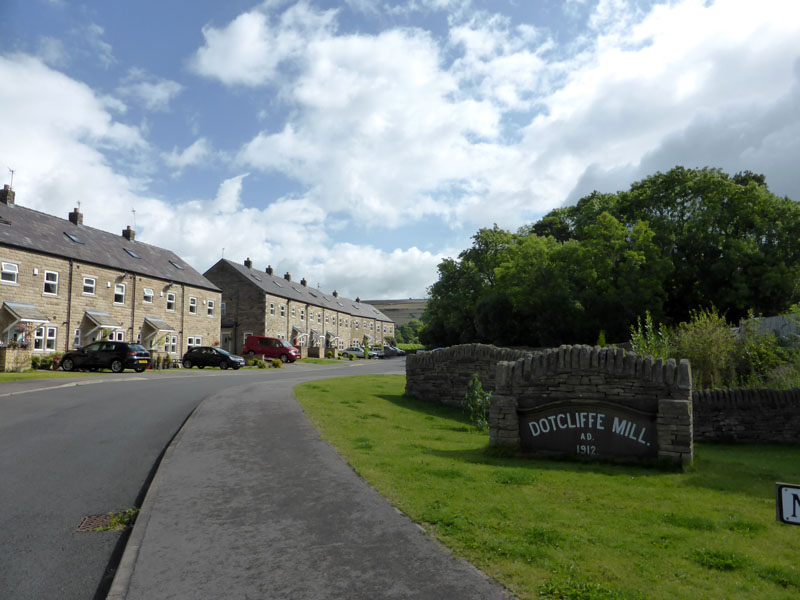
x=33, y=230
x=293, y=290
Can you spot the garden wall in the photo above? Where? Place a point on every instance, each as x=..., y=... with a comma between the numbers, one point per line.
x=747, y=415
x=442, y=377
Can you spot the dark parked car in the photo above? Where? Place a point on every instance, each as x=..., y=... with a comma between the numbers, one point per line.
x=208, y=356
x=116, y=356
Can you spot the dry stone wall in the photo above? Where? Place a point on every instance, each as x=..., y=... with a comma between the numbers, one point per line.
x=442, y=377
x=747, y=415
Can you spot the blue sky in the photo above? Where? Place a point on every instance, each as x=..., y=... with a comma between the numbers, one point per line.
x=359, y=143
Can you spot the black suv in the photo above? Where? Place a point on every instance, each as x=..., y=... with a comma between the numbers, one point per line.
x=116, y=356
x=208, y=356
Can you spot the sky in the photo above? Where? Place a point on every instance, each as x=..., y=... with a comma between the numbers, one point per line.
x=359, y=143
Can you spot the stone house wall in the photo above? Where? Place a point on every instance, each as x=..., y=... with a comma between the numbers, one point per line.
x=747, y=415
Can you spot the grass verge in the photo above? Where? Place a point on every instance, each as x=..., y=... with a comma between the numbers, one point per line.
x=35, y=374
x=569, y=530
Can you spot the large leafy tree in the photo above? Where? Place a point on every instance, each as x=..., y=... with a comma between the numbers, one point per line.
x=674, y=242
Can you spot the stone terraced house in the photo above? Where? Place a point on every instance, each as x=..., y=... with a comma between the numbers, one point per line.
x=64, y=284
x=260, y=303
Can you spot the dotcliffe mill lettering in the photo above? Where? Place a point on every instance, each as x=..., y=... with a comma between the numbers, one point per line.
x=587, y=420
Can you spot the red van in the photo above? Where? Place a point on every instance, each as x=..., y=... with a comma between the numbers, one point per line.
x=270, y=347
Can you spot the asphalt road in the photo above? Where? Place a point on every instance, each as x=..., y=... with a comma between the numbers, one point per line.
x=79, y=450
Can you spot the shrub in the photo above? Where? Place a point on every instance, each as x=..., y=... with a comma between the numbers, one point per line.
x=260, y=364
x=329, y=354
x=350, y=357
x=651, y=340
x=277, y=363
x=478, y=402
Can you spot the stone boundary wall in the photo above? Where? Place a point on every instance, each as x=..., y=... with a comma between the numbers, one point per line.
x=442, y=377
x=747, y=415
x=595, y=375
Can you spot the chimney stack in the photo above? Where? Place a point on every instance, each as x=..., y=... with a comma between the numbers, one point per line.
x=248, y=263
x=335, y=294
x=303, y=282
x=129, y=234
x=76, y=217
x=358, y=299
x=7, y=195
x=287, y=276
x=270, y=270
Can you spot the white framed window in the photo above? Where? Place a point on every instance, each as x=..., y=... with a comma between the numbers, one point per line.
x=223, y=308
x=319, y=317
x=76, y=339
x=119, y=293
x=44, y=339
x=302, y=314
x=51, y=283
x=117, y=335
x=210, y=306
x=272, y=308
x=148, y=296
x=192, y=305
x=247, y=334
x=327, y=319
x=194, y=341
x=9, y=272
x=347, y=322
x=89, y=286
x=294, y=313
x=283, y=310
x=310, y=315
x=356, y=322
x=171, y=301
x=171, y=344
x=370, y=326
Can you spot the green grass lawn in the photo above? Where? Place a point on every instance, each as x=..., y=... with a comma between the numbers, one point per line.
x=563, y=529
x=36, y=374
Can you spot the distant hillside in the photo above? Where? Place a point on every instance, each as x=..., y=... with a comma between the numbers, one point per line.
x=400, y=311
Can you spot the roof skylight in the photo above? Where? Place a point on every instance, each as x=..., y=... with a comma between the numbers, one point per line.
x=74, y=238
x=132, y=253
x=176, y=265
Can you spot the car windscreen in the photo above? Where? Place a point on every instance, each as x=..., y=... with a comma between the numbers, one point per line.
x=137, y=348
x=221, y=351
x=287, y=344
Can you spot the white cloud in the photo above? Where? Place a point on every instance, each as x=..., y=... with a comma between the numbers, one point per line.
x=52, y=51
x=154, y=93
x=249, y=49
x=93, y=35
x=196, y=153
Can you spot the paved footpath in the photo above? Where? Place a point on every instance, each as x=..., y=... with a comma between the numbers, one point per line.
x=250, y=503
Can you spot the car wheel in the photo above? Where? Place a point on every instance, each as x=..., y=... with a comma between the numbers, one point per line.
x=223, y=364
x=67, y=364
x=187, y=364
x=139, y=369
x=236, y=367
x=117, y=366
x=284, y=358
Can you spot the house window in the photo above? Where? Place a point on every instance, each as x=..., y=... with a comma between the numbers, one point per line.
x=311, y=315
x=9, y=272
x=117, y=336
x=272, y=309
x=148, y=296
x=223, y=308
x=247, y=334
x=347, y=322
x=293, y=312
x=210, y=308
x=283, y=310
x=171, y=301
x=192, y=305
x=356, y=323
x=370, y=326
x=171, y=344
x=302, y=314
x=76, y=340
x=51, y=283
x=194, y=341
x=327, y=319
x=44, y=338
x=89, y=286
x=119, y=293
x=319, y=317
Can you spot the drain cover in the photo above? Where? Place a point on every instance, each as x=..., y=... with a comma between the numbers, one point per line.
x=94, y=522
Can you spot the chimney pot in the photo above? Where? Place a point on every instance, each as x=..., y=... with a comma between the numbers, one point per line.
x=248, y=263
x=7, y=195
x=358, y=299
x=270, y=270
x=303, y=282
x=335, y=294
x=129, y=234
x=76, y=217
x=287, y=276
